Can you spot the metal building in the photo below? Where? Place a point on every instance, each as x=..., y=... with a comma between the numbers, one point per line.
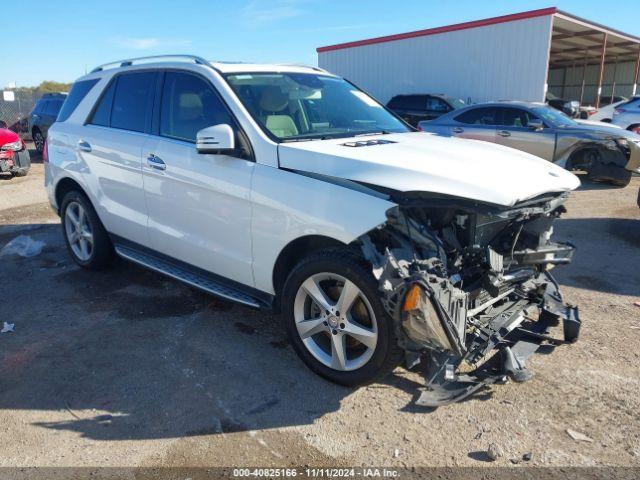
x=512, y=57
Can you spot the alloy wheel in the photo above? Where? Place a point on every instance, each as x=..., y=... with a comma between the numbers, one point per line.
x=78, y=230
x=335, y=321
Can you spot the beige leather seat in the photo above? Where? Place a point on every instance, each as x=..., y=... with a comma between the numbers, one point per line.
x=273, y=101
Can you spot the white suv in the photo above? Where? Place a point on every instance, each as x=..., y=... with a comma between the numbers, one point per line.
x=289, y=189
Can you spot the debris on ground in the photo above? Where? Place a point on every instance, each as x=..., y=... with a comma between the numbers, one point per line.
x=578, y=437
x=495, y=451
x=515, y=461
x=7, y=327
x=24, y=246
x=527, y=456
x=637, y=304
x=396, y=453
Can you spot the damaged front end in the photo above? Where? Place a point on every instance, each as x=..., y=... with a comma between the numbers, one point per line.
x=469, y=288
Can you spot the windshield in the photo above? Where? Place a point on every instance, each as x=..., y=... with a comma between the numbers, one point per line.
x=303, y=106
x=456, y=103
x=554, y=117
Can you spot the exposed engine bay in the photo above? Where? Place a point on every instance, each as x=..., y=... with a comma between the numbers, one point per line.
x=469, y=289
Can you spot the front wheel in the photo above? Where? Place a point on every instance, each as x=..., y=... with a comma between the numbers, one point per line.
x=610, y=173
x=335, y=320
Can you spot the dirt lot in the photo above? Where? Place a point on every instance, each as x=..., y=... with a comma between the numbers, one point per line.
x=128, y=368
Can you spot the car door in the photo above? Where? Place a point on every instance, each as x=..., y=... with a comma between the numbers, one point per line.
x=111, y=144
x=514, y=131
x=199, y=205
x=477, y=123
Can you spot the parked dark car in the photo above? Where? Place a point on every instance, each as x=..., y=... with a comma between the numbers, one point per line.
x=608, y=154
x=43, y=115
x=569, y=107
x=415, y=108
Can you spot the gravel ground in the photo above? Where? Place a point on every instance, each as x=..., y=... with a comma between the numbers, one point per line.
x=128, y=368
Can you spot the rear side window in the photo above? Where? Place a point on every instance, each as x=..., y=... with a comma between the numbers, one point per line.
x=76, y=95
x=479, y=116
x=189, y=104
x=132, y=101
x=102, y=114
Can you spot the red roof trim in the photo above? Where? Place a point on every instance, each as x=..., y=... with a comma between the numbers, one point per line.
x=450, y=28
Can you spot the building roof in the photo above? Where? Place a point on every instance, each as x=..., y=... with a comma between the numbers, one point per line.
x=582, y=27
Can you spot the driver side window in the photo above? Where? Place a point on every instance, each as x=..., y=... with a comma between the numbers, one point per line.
x=188, y=105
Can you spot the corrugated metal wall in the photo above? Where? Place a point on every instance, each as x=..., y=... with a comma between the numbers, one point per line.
x=496, y=62
x=569, y=85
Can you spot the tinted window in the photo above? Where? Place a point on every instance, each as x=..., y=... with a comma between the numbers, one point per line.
x=53, y=107
x=437, y=105
x=409, y=102
x=132, y=101
x=478, y=116
x=102, y=113
x=41, y=106
x=516, y=117
x=189, y=104
x=78, y=91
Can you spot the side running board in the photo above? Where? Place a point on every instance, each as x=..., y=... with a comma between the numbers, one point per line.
x=198, y=280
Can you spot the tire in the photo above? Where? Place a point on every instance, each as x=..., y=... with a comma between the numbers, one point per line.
x=38, y=140
x=96, y=256
x=610, y=173
x=363, y=364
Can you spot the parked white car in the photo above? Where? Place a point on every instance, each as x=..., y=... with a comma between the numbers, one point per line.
x=605, y=114
x=287, y=188
x=627, y=115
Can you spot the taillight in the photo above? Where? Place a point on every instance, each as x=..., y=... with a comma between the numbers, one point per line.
x=592, y=112
x=45, y=152
x=636, y=129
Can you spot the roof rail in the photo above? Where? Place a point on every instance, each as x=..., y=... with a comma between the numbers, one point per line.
x=130, y=61
x=317, y=69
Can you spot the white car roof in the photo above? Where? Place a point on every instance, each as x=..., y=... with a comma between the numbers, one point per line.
x=232, y=67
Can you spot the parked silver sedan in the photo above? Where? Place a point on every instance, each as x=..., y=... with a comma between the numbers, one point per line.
x=607, y=153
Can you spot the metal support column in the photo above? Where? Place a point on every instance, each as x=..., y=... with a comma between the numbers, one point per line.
x=601, y=74
x=635, y=75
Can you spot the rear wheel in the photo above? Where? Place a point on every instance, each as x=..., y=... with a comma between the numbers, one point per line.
x=86, y=238
x=335, y=320
x=38, y=139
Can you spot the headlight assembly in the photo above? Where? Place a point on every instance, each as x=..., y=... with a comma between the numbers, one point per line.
x=14, y=146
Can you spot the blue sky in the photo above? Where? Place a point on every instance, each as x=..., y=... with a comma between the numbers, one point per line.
x=59, y=39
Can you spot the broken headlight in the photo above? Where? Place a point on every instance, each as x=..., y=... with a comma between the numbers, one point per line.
x=421, y=321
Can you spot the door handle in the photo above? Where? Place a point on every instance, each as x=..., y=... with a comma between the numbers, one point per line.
x=457, y=130
x=156, y=162
x=84, y=146
x=504, y=133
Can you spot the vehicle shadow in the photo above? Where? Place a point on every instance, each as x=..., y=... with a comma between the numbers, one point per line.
x=605, y=253
x=126, y=353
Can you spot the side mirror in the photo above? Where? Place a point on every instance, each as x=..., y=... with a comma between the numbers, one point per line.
x=535, y=125
x=218, y=139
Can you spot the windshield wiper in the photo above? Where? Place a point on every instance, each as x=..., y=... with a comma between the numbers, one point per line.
x=378, y=132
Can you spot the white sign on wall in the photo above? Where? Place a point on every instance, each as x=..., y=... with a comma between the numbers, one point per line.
x=8, y=96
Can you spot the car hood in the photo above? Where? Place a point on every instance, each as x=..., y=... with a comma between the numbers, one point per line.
x=601, y=129
x=422, y=162
x=7, y=136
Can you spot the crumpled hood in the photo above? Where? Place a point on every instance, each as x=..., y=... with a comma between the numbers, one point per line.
x=422, y=162
x=602, y=130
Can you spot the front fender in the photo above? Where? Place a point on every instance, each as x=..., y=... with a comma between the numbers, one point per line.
x=288, y=205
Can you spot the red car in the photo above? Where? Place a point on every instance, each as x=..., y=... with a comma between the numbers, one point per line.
x=14, y=156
